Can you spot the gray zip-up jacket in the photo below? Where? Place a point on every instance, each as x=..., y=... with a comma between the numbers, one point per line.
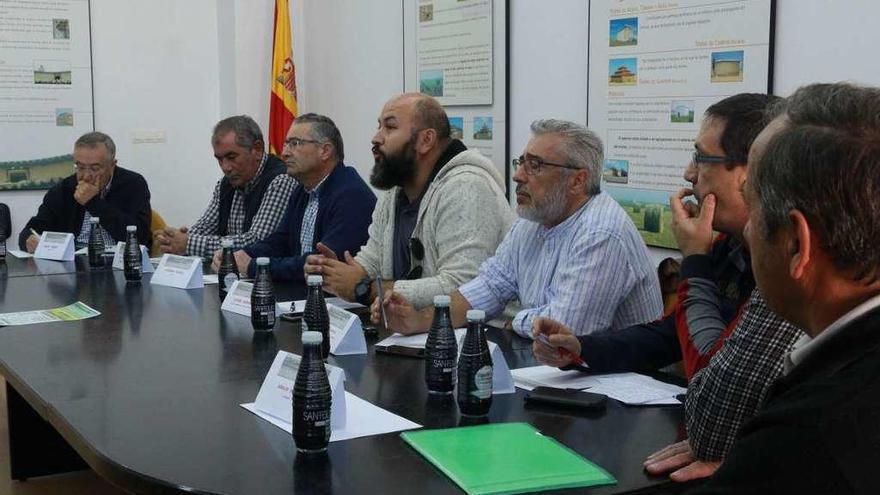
x=462, y=218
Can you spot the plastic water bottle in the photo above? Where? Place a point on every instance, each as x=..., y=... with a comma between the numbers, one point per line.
x=132, y=259
x=228, y=272
x=315, y=314
x=475, y=369
x=441, y=350
x=263, y=299
x=312, y=399
x=96, y=244
x=2, y=248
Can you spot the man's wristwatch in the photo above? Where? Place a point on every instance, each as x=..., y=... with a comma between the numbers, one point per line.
x=362, y=291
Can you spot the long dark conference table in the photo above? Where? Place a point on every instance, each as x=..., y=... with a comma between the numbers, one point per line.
x=147, y=395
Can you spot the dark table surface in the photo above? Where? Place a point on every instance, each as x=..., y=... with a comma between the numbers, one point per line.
x=28, y=267
x=148, y=394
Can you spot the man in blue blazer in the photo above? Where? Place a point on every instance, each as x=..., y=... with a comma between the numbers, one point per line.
x=331, y=205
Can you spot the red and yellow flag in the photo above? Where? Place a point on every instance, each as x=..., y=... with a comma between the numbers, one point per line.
x=282, y=100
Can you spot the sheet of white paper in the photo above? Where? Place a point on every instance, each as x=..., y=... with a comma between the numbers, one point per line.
x=300, y=305
x=417, y=341
x=547, y=376
x=363, y=419
x=82, y=250
x=210, y=278
x=635, y=389
x=19, y=254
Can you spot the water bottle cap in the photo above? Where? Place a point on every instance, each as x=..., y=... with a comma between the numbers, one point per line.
x=227, y=243
x=476, y=315
x=313, y=280
x=262, y=261
x=441, y=301
x=312, y=338
x=131, y=228
x=95, y=219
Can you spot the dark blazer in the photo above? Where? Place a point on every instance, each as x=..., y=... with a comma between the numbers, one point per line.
x=345, y=210
x=126, y=203
x=819, y=428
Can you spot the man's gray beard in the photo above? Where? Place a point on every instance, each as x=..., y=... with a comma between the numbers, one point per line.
x=549, y=211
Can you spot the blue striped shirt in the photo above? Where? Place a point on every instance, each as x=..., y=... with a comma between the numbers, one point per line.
x=591, y=272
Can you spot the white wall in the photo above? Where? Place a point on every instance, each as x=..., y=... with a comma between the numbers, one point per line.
x=180, y=66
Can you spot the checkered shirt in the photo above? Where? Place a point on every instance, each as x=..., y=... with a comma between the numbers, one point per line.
x=82, y=240
x=307, y=230
x=203, y=239
x=731, y=388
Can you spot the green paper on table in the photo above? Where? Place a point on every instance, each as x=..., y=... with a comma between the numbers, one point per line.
x=505, y=458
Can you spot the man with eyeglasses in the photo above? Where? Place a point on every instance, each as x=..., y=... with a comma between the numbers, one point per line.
x=332, y=204
x=248, y=202
x=98, y=188
x=731, y=343
x=574, y=254
x=444, y=213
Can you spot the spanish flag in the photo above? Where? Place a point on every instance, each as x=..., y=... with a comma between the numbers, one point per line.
x=282, y=101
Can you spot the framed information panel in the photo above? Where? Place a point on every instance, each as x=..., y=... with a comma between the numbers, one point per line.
x=45, y=89
x=456, y=51
x=654, y=67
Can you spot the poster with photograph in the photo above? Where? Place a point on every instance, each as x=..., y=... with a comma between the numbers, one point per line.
x=454, y=51
x=459, y=59
x=654, y=67
x=45, y=90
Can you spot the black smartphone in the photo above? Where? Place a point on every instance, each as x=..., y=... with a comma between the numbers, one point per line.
x=399, y=350
x=567, y=397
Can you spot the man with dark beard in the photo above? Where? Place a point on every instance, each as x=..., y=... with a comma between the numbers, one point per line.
x=574, y=254
x=445, y=211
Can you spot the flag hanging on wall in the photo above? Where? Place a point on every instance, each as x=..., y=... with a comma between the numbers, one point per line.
x=282, y=100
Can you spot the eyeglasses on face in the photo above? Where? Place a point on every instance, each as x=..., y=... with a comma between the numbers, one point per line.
x=297, y=142
x=88, y=169
x=533, y=164
x=698, y=158
x=416, y=255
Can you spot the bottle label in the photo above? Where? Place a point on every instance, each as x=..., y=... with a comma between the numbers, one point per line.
x=483, y=383
x=229, y=279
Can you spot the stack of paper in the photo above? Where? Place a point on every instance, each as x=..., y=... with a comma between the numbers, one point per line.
x=629, y=388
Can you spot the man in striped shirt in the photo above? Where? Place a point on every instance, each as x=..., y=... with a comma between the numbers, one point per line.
x=574, y=255
x=249, y=200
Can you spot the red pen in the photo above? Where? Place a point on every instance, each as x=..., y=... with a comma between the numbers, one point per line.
x=562, y=350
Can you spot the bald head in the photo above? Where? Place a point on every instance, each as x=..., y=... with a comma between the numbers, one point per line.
x=425, y=112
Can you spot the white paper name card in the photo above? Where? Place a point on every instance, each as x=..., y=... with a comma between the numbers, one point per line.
x=346, y=333
x=275, y=397
x=182, y=272
x=56, y=246
x=119, y=258
x=238, y=298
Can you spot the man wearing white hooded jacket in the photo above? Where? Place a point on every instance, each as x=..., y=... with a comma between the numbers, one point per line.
x=443, y=214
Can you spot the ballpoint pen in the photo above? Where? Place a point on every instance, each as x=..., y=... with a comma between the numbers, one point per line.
x=381, y=300
x=562, y=350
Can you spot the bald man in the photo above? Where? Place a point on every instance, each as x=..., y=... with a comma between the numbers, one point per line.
x=443, y=214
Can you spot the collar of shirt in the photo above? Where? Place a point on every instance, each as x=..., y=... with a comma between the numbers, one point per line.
x=317, y=188
x=250, y=185
x=806, y=346
x=566, y=225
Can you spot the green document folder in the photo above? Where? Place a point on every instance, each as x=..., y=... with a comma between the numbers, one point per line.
x=505, y=458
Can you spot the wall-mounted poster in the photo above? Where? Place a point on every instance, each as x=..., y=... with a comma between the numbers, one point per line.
x=654, y=68
x=45, y=90
x=456, y=51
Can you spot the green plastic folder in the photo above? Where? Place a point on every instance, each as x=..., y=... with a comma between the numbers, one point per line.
x=505, y=458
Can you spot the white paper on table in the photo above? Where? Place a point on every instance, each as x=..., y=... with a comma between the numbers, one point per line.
x=56, y=246
x=276, y=393
x=19, y=254
x=182, y=272
x=364, y=419
x=119, y=258
x=416, y=341
x=346, y=333
x=635, y=389
x=210, y=279
x=548, y=376
x=82, y=250
x=71, y=312
x=238, y=298
x=299, y=306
